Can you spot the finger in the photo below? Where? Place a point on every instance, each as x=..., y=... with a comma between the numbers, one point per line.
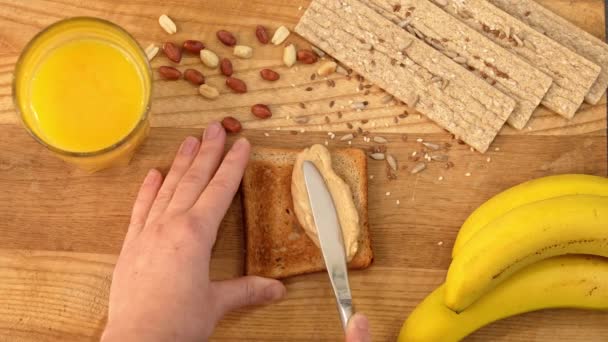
x=358, y=329
x=246, y=291
x=215, y=200
x=181, y=163
x=143, y=202
x=202, y=169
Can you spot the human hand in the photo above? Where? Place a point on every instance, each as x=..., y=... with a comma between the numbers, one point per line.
x=358, y=329
x=161, y=289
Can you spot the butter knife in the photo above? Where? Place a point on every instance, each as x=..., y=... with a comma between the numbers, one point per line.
x=330, y=238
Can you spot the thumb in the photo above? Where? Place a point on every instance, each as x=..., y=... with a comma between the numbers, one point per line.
x=245, y=291
x=358, y=329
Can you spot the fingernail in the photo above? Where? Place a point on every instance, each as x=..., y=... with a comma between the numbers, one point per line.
x=362, y=324
x=240, y=144
x=274, y=292
x=212, y=131
x=151, y=176
x=189, y=146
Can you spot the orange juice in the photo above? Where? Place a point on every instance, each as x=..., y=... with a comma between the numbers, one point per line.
x=82, y=88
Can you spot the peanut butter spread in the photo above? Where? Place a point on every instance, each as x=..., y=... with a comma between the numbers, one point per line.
x=340, y=193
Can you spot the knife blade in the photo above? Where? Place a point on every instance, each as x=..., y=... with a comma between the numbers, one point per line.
x=330, y=238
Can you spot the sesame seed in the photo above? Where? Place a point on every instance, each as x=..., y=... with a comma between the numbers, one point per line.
x=419, y=140
x=489, y=159
x=439, y=243
x=371, y=176
x=266, y=134
x=468, y=174
x=497, y=149
x=350, y=142
x=397, y=202
x=388, y=193
x=326, y=142
x=302, y=130
x=440, y=178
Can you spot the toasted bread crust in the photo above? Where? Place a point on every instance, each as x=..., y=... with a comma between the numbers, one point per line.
x=276, y=245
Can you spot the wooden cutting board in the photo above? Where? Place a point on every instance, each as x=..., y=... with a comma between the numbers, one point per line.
x=61, y=229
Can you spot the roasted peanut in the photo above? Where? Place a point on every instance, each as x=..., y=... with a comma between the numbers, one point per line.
x=237, y=85
x=306, y=56
x=261, y=111
x=269, y=75
x=194, y=76
x=231, y=124
x=172, y=52
x=262, y=34
x=226, y=38
x=226, y=67
x=193, y=46
x=169, y=73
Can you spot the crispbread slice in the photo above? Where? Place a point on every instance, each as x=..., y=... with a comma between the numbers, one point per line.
x=276, y=244
x=566, y=33
x=499, y=67
x=408, y=68
x=573, y=75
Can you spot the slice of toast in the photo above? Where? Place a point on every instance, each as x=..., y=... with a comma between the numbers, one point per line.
x=277, y=246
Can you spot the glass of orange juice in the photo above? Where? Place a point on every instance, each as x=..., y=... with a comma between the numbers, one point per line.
x=82, y=89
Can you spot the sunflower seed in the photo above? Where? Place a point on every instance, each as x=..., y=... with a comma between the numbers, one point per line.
x=380, y=140
x=450, y=54
x=300, y=119
x=444, y=83
x=439, y=157
x=403, y=23
x=517, y=39
x=435, y=79
x=377, y=156
x=418, y=168
x=358, y=105
x=347, y=137
x=392, y=162
x=432, y=146
x=341, y=70
x=460, y=59
x=386, y=99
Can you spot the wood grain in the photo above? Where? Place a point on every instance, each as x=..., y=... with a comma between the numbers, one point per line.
x=60, y=228
x=177, y=104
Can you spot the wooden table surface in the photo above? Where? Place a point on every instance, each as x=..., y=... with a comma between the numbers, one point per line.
x=61, y=229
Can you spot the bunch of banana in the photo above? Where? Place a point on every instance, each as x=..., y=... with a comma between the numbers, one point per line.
x=521, y=251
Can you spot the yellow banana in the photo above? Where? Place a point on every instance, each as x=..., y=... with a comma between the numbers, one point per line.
x=525, y=193
x=576, y=224
x=572, y=281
